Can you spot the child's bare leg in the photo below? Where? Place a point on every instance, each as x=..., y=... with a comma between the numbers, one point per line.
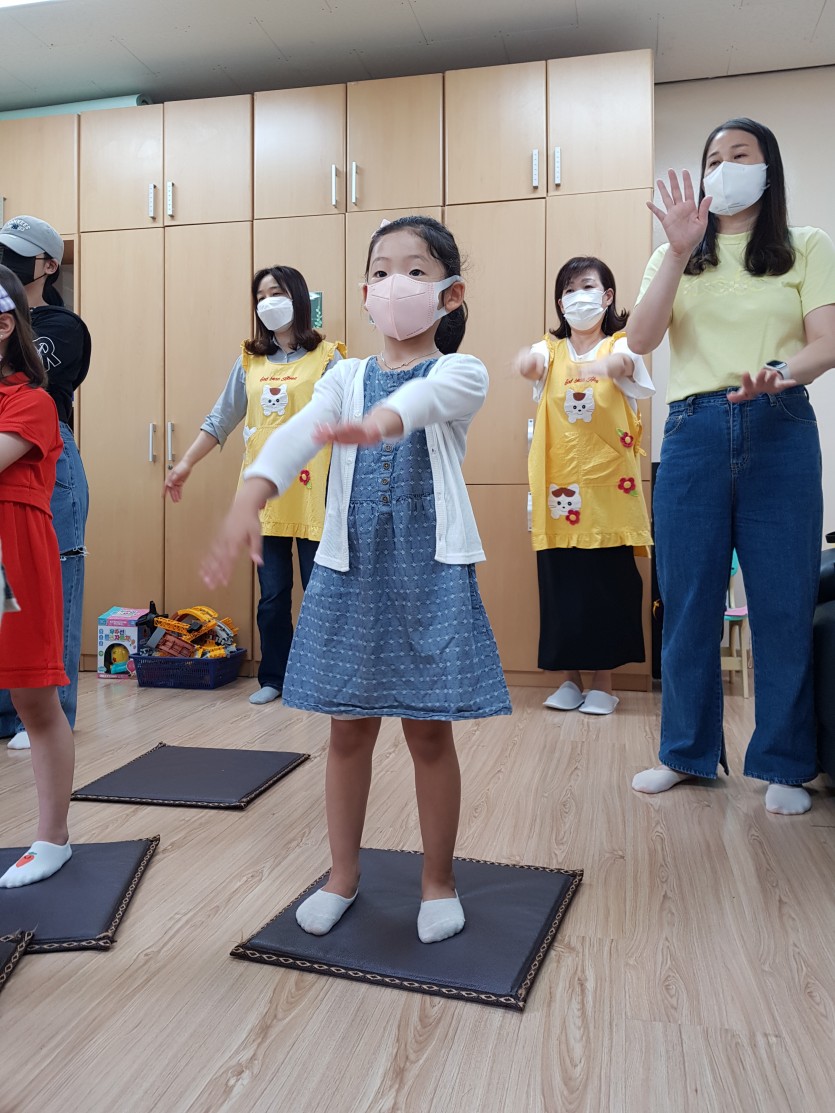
x=438, y=788
x=53, y=762
x=347, y=783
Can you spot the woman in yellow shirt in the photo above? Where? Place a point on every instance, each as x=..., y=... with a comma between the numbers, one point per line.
x=750, y=307
x=272, y=379
x=588, y=513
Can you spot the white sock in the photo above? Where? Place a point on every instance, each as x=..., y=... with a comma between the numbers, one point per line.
x=20, y=741
x=787, y=799
x=265, y=695
x=321, y=911
x=440, y=919
x=39, y=862
x=657, y=780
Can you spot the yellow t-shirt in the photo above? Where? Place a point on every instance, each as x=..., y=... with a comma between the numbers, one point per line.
x=726, y=321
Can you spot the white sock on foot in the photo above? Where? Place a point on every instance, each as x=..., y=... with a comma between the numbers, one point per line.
x=787, y=799
x=321, y=911
x=20, y=741
x=265, y=695
x=657, y=780
x=40, y=861
x=440, y=919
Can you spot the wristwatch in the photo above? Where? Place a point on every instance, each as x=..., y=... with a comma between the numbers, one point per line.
x=778, y=365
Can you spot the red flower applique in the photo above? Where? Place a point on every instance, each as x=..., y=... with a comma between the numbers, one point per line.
x=626, y=439
x=573, y=517
x=304, y=478
x=627, y=485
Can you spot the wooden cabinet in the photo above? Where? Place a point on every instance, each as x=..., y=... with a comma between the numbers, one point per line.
x=495, y=133
x=39, y=170
x=600, y=113
x=300, y=152
x=123, y=431
x=395, y=146
x=120, y=168
x=504, y=248
x=362, y=339
x=314, y=245
x=208, y=312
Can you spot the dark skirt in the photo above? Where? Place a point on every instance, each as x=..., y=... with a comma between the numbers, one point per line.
x=589, y=609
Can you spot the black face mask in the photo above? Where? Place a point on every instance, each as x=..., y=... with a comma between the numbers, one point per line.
x=21, y=265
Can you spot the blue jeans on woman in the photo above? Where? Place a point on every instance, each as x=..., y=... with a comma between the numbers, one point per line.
x=745, y=476
x=275, y=607
x=69, y=505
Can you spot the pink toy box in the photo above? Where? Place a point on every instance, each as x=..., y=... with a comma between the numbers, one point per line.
x=122, y=632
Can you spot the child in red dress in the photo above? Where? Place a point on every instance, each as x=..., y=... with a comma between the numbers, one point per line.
x=31, y=641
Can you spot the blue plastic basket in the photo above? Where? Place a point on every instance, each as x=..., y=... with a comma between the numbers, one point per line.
x=187, y=672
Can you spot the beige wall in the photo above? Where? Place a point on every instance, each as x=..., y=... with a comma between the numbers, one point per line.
x=799, y=107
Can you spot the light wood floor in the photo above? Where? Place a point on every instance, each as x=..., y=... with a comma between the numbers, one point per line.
x=695, y=970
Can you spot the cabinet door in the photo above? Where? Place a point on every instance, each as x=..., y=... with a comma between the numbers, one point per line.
x=314, y=245
x=617, y=228
x=39, y=170
x=362, y=339
x=208, y=160
x=600, y=121
x=394, y=143
x=300, y=152
x=122, y=399
x=504, y=246
x=207, y=313
x=495, y=133
x=121, y=168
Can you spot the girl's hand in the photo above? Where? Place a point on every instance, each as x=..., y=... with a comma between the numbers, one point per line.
x=241, y=529
x=376, y=426
x=175, y=481
x=528, y=365
x=683, y=221
x=764, y=382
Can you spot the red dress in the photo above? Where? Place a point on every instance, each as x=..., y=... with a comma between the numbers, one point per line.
x=32, y=641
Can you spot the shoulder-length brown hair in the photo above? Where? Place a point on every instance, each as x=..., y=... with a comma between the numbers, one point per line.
x=21, y=353
x=293, y=284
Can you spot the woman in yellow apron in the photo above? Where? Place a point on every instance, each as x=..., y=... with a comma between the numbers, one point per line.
x=588, y=513
x=272, y=379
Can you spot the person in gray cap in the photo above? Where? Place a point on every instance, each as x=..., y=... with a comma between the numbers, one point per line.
x=33, y=250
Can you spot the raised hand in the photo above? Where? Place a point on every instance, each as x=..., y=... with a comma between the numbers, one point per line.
x=528, y=365
x=764, y=382
x=684, y=222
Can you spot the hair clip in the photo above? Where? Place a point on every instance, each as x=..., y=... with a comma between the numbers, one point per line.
x=383, y=223
x=6, y=303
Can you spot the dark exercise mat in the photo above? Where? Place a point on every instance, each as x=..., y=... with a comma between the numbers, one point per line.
x=81, y=906
x=193, y=777
x=513, y=913
x=11, y=951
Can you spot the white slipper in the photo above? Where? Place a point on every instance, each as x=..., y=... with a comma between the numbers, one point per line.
x=567, y=697
x=599, y=703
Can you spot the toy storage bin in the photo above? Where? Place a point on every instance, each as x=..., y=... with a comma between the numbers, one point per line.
x=188, y=672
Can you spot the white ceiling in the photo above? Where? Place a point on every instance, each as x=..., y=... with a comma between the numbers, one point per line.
x=72, y=50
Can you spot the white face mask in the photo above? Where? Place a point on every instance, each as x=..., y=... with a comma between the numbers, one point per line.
x=583, y=309
x=275, y=313
x=735, y=186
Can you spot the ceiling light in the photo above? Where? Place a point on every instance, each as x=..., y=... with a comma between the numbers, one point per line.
x=22, y=3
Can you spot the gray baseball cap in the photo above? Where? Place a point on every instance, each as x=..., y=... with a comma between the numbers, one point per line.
x=27, y=235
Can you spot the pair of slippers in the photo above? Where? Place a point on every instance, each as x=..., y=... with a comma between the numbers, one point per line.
x=568, y=697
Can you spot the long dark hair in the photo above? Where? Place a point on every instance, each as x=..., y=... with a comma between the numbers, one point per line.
x=21, y=353
x=613, y=321
x=293, y=284
x=442, y=246
x=769, y=249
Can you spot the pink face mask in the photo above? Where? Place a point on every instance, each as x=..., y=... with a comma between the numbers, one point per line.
x=402, y=307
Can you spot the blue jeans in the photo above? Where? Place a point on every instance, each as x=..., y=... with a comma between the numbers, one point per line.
x=69, y=516
x=744, y=476
x=275, y=614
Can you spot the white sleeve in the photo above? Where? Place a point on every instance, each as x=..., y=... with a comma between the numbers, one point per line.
x=540, y=349
x=455, y=392
x=640, y=385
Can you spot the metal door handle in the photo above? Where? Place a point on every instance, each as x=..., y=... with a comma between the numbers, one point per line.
x=169, y=443
x=152, y=459
x=152, y=201
x=169, y=198
x=353, y=183
x=530, y=433
x=557, y=166
x=535, y=168
x=333, y=185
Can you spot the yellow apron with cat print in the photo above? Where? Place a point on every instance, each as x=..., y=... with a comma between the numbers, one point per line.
x=275, y=392
x=583, y=467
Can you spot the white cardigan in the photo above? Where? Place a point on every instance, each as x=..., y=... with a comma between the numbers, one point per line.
x=443, y=403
